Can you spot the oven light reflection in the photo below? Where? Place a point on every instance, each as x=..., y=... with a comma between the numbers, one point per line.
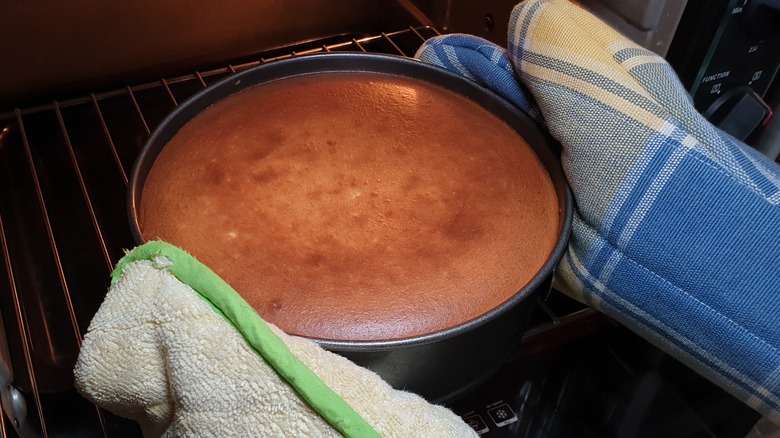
x=394, y=103
x=407, y=93
x=3, y=135
x=398, y=93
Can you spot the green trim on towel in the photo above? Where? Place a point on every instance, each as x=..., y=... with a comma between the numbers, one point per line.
x=256, y=332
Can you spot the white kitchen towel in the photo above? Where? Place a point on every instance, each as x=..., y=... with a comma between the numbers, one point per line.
x=174, y=348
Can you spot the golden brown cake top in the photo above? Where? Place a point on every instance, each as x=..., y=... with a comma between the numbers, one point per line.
x=355, y=206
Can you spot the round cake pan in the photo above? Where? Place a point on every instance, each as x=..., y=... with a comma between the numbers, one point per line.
x=442, y=365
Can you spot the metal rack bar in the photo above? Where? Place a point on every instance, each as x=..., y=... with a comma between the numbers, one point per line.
x=21, y=318
x=395, y=46
x=416, y=32
x=360, y=46
x=170, y=93
x=138, y=109
x=49, y=230
x=85, y=193
x=200, y=79
x=110, y=140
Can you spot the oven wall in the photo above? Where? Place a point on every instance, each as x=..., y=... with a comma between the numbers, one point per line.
x=53, y=46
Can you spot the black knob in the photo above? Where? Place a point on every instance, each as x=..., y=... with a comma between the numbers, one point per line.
x=739, y=112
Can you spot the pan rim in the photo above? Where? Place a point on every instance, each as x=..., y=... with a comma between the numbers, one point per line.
x=545, y=147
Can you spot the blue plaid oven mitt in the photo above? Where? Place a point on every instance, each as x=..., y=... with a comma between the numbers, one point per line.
x=677, y=225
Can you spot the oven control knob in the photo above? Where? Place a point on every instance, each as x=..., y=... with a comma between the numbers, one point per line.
x=739, y=112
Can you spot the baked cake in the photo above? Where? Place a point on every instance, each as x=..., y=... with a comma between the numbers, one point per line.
x=355, y=206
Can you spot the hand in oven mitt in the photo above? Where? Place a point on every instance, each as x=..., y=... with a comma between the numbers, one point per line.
x=677, y=225
x=176, y=349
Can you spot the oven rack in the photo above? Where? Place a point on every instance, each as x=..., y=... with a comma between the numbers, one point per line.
x=64, y=171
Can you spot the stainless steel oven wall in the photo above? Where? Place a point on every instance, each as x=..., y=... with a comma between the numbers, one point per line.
x=81, y=45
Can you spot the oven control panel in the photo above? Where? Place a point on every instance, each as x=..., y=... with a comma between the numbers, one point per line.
x=745, y=52
x=727, y=53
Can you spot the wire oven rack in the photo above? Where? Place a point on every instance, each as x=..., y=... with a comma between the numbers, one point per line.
x=63, y=177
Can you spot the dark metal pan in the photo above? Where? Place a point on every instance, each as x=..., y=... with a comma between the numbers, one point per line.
x=439, y=366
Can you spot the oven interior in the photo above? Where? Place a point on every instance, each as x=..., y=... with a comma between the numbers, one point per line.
x=73, y=119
